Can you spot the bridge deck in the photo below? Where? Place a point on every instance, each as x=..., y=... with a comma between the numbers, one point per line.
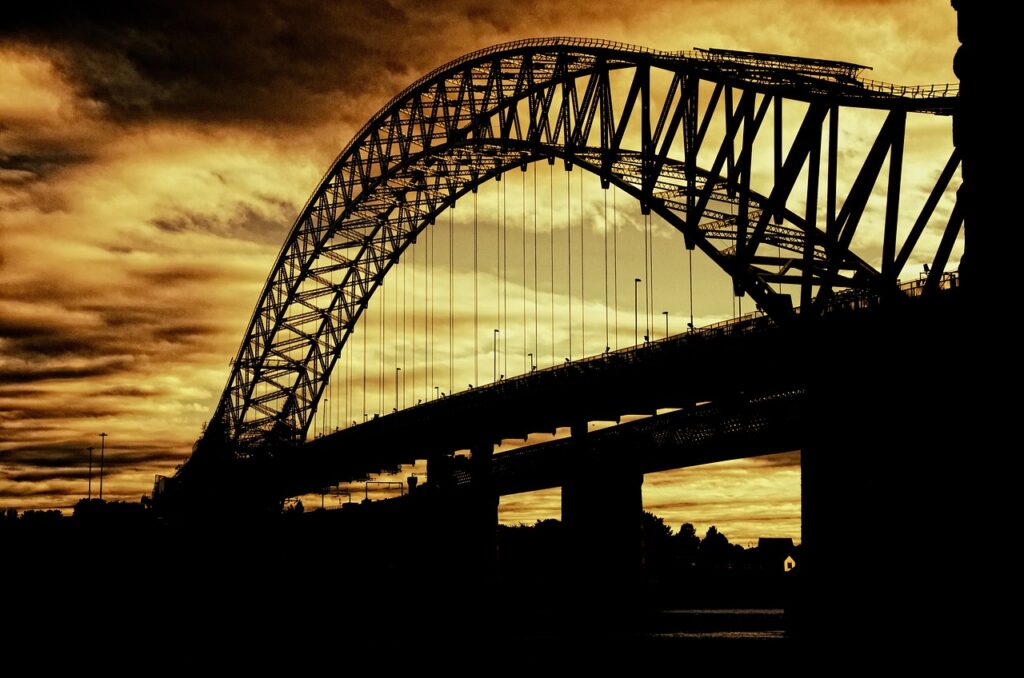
x=704, y=434
x=716, y=364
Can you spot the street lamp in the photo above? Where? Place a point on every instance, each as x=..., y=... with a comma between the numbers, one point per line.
x=494, y=351
x=636, y=314
x=323, y=419
x=90, y=448
x=397, y=370
x=665, y=313
x=103, y=446
x=437, y=392
x=533, y=367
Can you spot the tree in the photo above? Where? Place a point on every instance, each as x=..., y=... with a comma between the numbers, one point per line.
x=686, y=545
x=654, y=527
x=657, y=541
x=715, y=549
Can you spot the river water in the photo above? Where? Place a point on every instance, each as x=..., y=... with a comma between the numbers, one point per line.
x=720, y=624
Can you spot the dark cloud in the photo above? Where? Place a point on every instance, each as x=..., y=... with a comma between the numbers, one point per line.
x=42, y=475
x=31, y=374
x=20, y=167
x=70, y=454
x=45, y=410
x=54, y=490
x=265, y=222
x=130, y=392
x=273, y=60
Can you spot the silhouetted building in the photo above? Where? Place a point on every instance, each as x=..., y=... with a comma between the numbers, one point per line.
x=776, y=554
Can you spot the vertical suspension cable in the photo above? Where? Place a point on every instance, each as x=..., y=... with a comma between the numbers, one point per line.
x=536, y=271
x=428, y=304
x=650, y=219
x=426, y=329
x=607, y=338
x=551, y=253
x=451, y=300
x=583, y=282
x=615, y=241
x=366, y=336
x=476, y=294
x=504, y=276
x=383, y=327
x=498, y=278
x=333, y=380
x=433, y=311
x=404, y=328
x=395, y=347
x=332, y=387
x=348, y=381
x=523, y=330
x=413, y=336
x=690, y=269
x=568, y=244
x=647, y=285
x=433, y=308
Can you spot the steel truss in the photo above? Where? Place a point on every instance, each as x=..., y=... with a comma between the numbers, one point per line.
x=502, y=108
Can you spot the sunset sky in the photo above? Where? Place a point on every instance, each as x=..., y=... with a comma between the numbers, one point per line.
x=153, y=157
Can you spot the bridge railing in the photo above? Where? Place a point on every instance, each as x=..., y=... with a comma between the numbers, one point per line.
x=748, y=323
x=915, y=288
x=946, y=90
x=756, y=321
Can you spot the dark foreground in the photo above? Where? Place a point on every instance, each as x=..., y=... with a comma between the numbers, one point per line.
x=297, y=583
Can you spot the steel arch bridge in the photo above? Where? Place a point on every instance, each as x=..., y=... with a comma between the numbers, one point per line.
x=504, y=107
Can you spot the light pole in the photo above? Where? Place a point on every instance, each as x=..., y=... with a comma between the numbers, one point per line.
x=103, y=447
x=636, y=313
x=90, y=471
x=494, y=351
x=397, y=371
x=437, y=392
x=665, y=313
x=533, y=367
x=323, y=419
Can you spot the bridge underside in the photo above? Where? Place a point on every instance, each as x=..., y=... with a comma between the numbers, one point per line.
x=702, y=435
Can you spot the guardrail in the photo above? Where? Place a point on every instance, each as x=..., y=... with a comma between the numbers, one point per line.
x=946, y=90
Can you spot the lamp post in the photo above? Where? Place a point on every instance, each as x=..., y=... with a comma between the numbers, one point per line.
x=665, y=313
x=103, y=447
x=437, y=392
x=90, y=448
x=533, y=367
x=323, y=419
x=494, y=351
x=636, y=314
x=397, y=371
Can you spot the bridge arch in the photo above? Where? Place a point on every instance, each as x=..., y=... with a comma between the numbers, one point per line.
x=492, y=111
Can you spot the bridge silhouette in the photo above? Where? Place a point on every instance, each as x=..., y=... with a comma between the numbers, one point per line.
x=699, y=141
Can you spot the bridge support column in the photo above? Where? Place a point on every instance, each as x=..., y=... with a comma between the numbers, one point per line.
x=602, y=507
x=482, y=518
x=459, y=521
x=888, y=480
